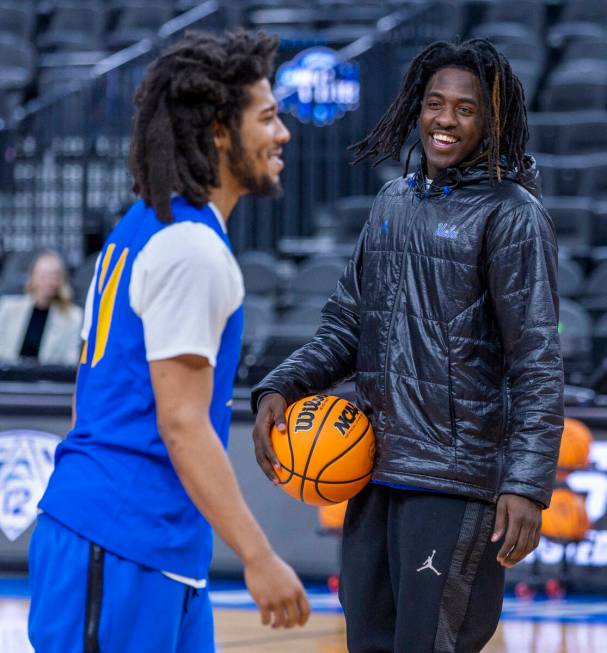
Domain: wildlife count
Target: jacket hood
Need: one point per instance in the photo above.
(458, 176)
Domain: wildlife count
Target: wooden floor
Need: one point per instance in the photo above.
(239, 631)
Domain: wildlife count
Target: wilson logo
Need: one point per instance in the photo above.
(305, 419)
(445, 231)
(346, 419)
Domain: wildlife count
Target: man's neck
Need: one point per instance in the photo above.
(227, 195)
(224, 201)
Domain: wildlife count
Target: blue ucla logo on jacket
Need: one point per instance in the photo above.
(445, 231)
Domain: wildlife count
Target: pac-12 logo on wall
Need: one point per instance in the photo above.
(26, 463)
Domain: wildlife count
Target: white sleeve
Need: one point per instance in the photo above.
(88, 305)
(184, 286)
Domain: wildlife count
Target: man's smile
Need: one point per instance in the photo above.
(442, 140)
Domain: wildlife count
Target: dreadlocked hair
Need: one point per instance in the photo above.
(199, 82)
(505, 115)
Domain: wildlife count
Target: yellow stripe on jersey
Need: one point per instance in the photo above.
(84, 353)
(105, 265)
(106, 305)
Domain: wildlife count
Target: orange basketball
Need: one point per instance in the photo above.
(326, 452)
(566, 518)
(575, 444)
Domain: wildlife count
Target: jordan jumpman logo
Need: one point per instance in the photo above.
(428, 564)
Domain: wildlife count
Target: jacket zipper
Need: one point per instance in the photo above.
(398, 294)
(504, 401)
(451, 405)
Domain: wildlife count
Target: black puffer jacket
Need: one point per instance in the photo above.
(447, 316)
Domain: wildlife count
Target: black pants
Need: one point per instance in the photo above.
(419, 573)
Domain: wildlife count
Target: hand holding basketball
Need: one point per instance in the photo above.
(271, 412)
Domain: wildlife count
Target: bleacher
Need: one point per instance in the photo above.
(64, 179)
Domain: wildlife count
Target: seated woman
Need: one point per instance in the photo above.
(43, 324)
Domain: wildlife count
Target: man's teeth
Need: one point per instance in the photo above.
(443, 138)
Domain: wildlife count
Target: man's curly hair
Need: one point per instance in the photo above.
(199, 82)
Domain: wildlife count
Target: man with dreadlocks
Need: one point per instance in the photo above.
(120, 556)
(447, 317)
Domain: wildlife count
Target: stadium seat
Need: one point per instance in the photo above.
(514, 40)
(599, 224)
(317, 276)
(599, 340)
(260, 273)
(529, 74)
(294, 328)
(544, 131)
(594, 183)
(594, 292)
(570, 279)
(572, 175)
(573, 219)
(15, 271)
(576, 88)
(259, 317)
(575, 329)
(17, 59)
(350, 214)
(575, 132)
(74, 26)
(17, 19)
(583, 132)
(58, 69)
(364, 14)
(560, 36)
(435, 19)
(302, 18)
(137, 20)
(589, 11)
(82, 278)
(590, 47)
(9, 101)
(529, 13)
(579, 18)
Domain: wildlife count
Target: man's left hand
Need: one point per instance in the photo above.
(518, 520)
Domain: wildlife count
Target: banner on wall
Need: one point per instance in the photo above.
(317, 86)
(592, 550)
(26, 463)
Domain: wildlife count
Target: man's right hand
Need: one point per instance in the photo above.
(271, 411)
(277, 591)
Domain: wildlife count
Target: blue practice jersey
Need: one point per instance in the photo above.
(113, 481)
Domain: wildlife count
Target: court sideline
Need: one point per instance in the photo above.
(566, 626)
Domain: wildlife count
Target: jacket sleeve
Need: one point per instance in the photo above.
(522, 278)
(330, 357)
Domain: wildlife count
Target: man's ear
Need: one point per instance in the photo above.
(220, 136)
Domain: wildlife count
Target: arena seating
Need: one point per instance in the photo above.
(557, 47)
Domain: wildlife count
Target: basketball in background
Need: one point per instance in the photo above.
(326, 452)
(575, 445)
(566, 518)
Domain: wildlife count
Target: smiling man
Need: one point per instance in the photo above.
(446, 316)
(120, 556)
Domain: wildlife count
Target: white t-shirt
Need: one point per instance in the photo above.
(185, 284)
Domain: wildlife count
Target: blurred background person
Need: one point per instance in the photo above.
(43, 324)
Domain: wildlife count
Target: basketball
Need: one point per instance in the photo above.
(327, 451)
(566, 518)
(575, 445)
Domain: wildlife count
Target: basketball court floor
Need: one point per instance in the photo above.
(574, 625)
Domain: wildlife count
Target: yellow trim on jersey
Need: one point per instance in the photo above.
(106, 305)
(105, 264)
